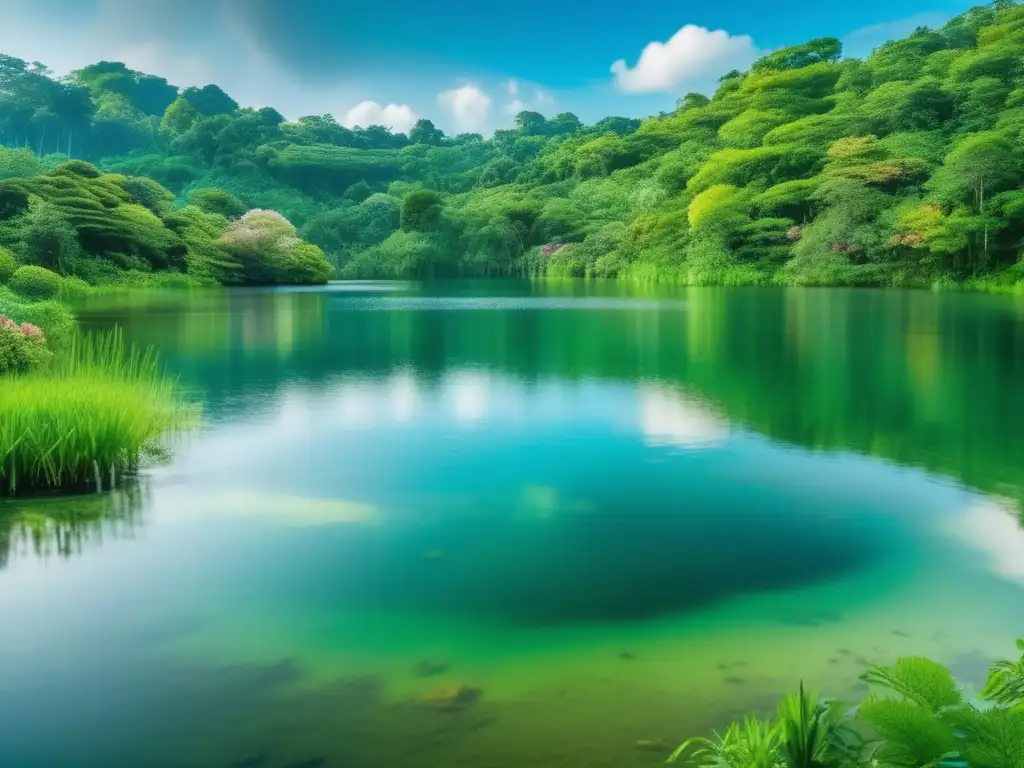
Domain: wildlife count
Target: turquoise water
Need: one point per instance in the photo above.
(604, 515)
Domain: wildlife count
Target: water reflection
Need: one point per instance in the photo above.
(993, 528)
(930, 380)
(65, 526)
(668, 417)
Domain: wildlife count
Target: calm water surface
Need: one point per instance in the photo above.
(612, 515)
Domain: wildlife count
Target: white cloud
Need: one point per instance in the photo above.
(542, 100)
(691, 54)
(398, 117)
(515, 106)
(469, 106)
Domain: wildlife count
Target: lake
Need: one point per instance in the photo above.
(485, 525)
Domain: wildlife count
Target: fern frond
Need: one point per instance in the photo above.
(922, 681)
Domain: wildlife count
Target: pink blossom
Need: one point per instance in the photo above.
(31, 331)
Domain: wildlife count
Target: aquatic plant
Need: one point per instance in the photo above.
(754, 743)
(815, 734)
(89, 417)
(1005, 684)
(919, 719)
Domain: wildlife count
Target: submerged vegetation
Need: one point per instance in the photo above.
(919, 717)
(85, 419)
(902, 169)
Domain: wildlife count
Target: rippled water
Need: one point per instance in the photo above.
(505, 524)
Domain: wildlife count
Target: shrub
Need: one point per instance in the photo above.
(54, 318)
(8, 265)
(218, 201)
(36, 283)
(21, 346)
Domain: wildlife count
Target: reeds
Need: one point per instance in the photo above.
(88, 419)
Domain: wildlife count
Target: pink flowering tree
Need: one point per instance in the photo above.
(271, 252)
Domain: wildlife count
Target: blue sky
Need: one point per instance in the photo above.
(467, 65)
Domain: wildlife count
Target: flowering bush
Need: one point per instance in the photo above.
(270, 252)
(21, 346)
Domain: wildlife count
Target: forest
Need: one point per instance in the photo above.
(903, 169)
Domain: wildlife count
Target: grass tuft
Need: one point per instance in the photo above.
(94, 412)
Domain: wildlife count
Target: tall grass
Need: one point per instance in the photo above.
(86, 420)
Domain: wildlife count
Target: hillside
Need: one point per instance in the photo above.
(902, 169)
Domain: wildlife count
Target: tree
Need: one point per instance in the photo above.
(179, 116)
(692, 101)
(425, 132)
(47, 238)
(823, 49)
(531, 123)
(977, 168)
(209, 100)
(564, 124)
(421, 211)
(149, 94)
(270, 252)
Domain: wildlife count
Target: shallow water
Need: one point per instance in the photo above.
(614, 515)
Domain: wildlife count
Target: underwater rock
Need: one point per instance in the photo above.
(900, 633)
(844, 651)
(649, 745)
(431, 668)
(627, 655)
(433, 554)
(453, 696)
(733, 680)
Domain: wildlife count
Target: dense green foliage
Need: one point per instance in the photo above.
(918, 718)
(35, 283)
(52, 317)
(901, 169)
(21, 346)
(90, 415)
